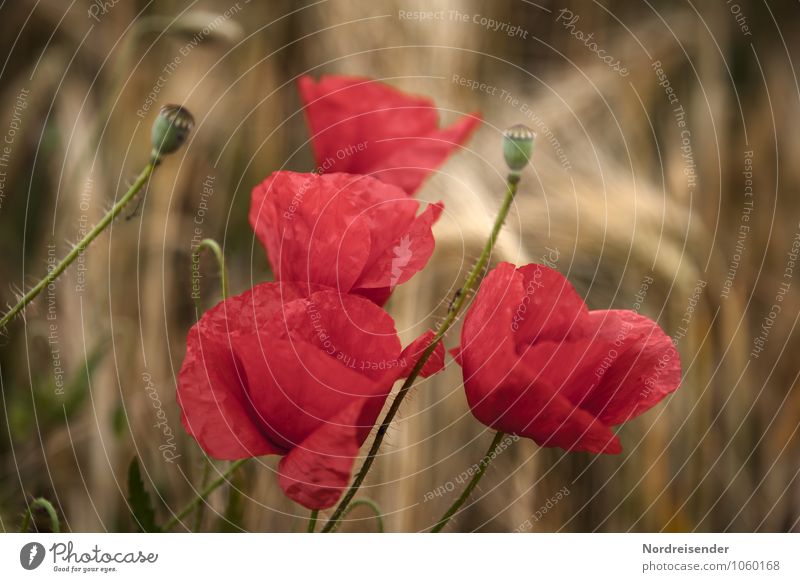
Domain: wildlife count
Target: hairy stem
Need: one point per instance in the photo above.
(452, 314)
(201, 497)
(485, 460)
(198, 518)
(41, 503)
(213, 246)
(81, 245)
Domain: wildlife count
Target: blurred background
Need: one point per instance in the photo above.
(664, 181)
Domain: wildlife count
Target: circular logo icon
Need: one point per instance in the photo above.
(31, 555)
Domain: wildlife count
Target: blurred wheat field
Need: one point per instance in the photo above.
(611, 199)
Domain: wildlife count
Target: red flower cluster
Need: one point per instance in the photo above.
(537, 363)
(302, 367)
(361, 126)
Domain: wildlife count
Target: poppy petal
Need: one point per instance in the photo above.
(549, 307)
(214, 403)
(534, 409)
(538, 363)
(352, 233)
(645, 368)
(414, 350)
(307, 226)
(408, 161)
(316, 472)
(362, 126)
(404, 256)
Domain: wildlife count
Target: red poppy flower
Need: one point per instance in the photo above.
(361, 126)
(539, 364)
(353, 233)
(277, 371)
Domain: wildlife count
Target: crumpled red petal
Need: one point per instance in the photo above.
(215, 407)
(316, 472)
(413, 352)
(403, 256)
(352, 233)
(275, 371)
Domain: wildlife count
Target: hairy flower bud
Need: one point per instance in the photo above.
(170, 129)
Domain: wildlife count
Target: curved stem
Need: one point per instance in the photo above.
(198, 518)
(312, 521)
(81, 245)
(204, 494)
(372, 505)
(213, 246)
(460, 297)
(487, 458)
(42, 503)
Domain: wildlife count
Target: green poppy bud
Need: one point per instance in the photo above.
(518, 146)
(170, 130)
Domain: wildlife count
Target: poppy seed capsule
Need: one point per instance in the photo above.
(518, 146)
(170, 130)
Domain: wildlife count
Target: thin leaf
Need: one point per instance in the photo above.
(139, 500)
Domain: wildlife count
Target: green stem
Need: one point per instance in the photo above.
(81, 245)
(487, 458)
(204, 494)
(372, 505)
(213, 246)
(312, 520)
(42, 503)
(201, 508)
(452, 314)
